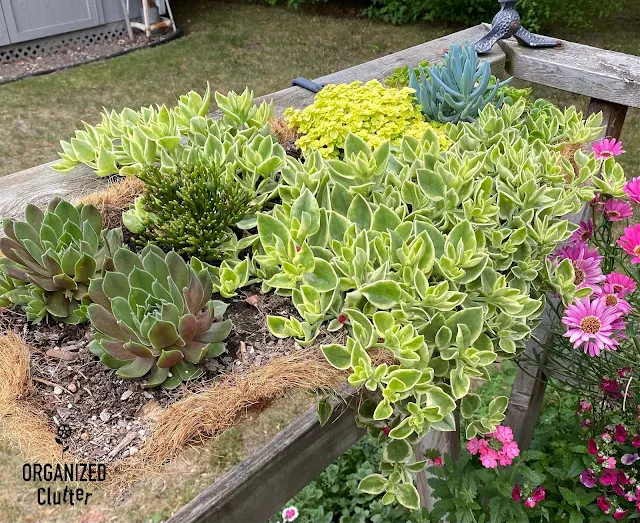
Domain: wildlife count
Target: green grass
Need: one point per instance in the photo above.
(232, 45)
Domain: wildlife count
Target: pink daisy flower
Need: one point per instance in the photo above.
(584, 232)
(622, 284)
(632, 188)
(608, 148)
(630, 242)
(620, 513)
(590, 324)
(617, 210)
(612, 299)
(586, 264)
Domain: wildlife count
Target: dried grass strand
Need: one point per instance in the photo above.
(22, 426)
(114, 199)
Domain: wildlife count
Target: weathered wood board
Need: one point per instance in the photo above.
(597, 73)
(258, 487)
(39, 184)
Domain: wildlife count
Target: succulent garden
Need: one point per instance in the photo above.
(415, 238)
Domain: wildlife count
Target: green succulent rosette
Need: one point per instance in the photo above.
(56, 252)
(155, 317)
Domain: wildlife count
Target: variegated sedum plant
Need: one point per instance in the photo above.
(122, 143)
(437, 257)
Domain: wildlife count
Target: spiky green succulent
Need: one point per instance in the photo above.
(57, 251)
(155, 317)
(458, 89)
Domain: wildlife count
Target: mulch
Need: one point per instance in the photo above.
(110, 417)
(78, 54)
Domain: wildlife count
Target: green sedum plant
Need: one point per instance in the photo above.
(437, 256)
(55, 253)
(371, 111)
(122, 143)
(458, 89)
(190, 210)
(154, 316)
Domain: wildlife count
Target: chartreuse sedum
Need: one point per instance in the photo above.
(54, 254)
(155, 317)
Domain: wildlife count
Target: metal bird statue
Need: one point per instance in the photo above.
(507, 24)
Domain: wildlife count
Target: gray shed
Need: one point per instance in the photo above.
(24, 21)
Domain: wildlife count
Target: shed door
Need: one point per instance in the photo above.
(29, 19)
(4, 36)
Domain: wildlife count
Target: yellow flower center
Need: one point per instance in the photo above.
(617, 287)
(580, 275)
(636, 250)
(611, 300)
(590, 324)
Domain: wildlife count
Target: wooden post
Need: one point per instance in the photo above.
(530, 382)
(446, 443)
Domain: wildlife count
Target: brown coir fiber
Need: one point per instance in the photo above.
(208, 413)
(21, 425)
(281, 130)
(198, 417)
(114, 199)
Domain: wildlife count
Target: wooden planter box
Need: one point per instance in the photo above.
(258, 487)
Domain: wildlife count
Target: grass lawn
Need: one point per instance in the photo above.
(232, 45)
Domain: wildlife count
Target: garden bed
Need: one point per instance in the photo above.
(411, 251)
(110, 418)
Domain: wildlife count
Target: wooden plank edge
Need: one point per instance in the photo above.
(606, 81)
(258, 487)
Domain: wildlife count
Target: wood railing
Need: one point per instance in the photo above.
(255, 489)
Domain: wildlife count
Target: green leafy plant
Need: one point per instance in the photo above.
(400, 76)
(334, 495)
(371, 111)
(535, 13)
(436, 256)
(122, 143)
(57, 252)
(458, 89)
(154, 316)
(190, 210)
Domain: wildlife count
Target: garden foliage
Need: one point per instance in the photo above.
(190, 209)
(432, 247)
(334, 495)
(368, 110)
(155, 317)
(122, 143)
(535, 14)
(437, 256)
(51, 257)
(458, 88)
